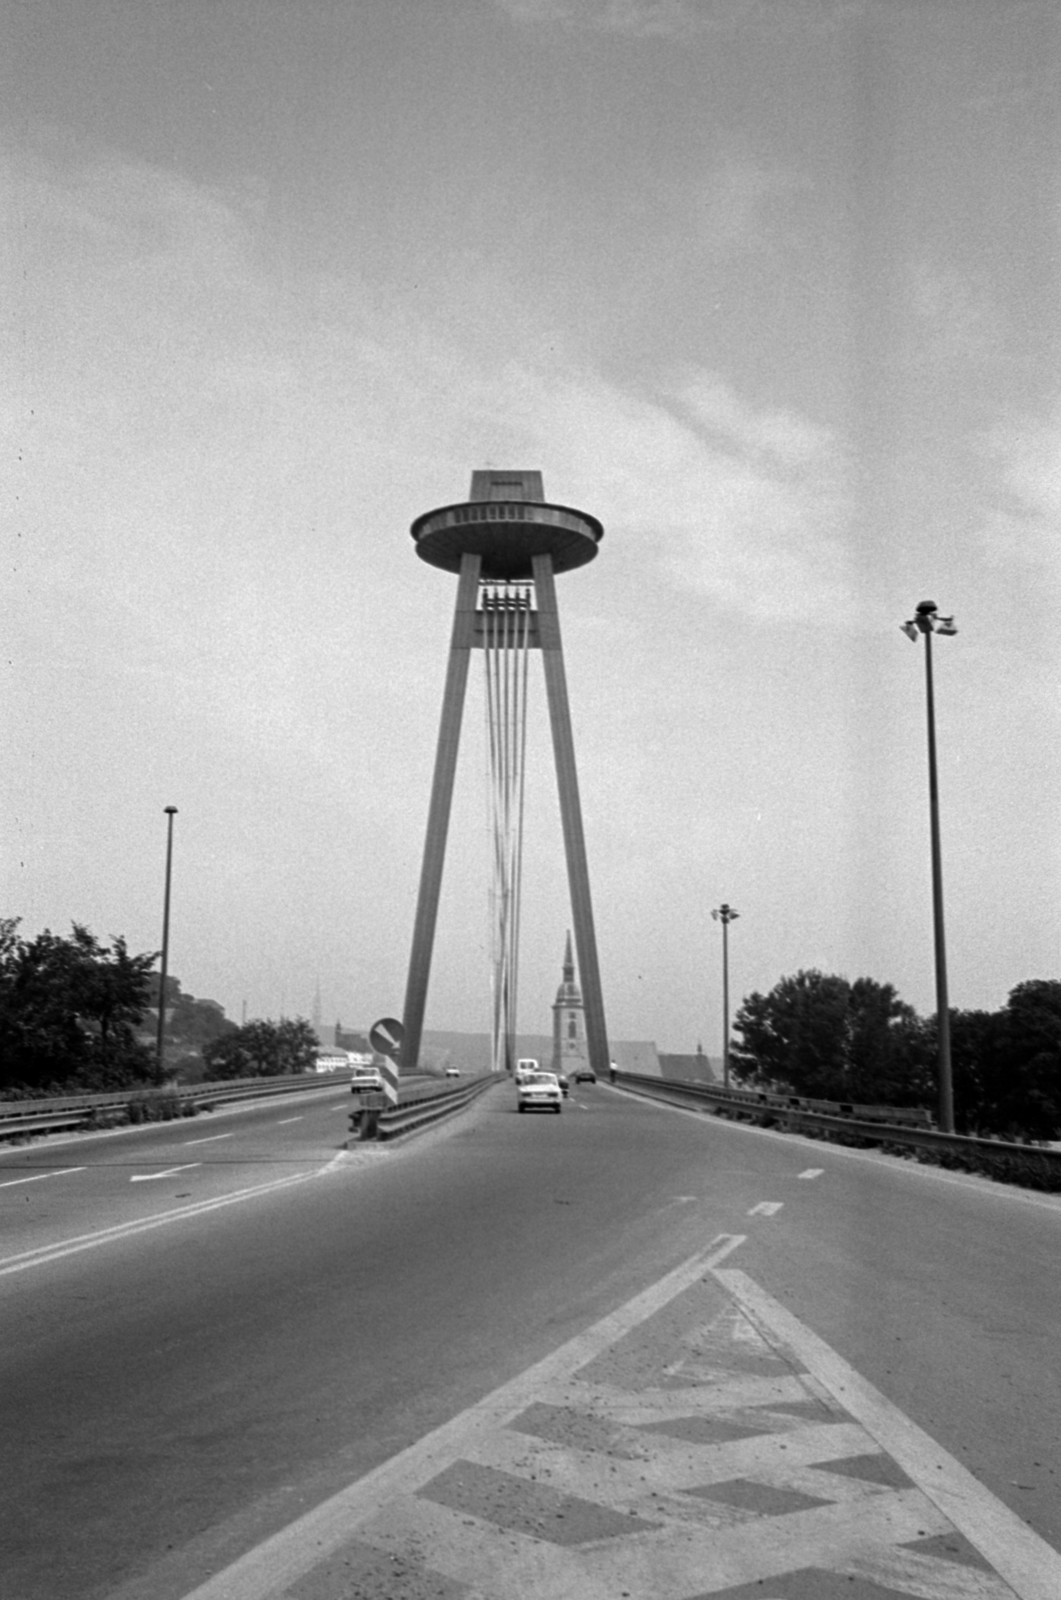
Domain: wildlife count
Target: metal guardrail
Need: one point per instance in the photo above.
(416, 1109)
(893, 1125)
(75, 1111)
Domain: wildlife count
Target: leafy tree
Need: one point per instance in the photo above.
(889, 1062)
(262, 1049)
(818, 1035)
(69, 1010)
(195, 1023)
(173, 990)
(228, 1057)
(1022, 1076)
(974, 1042)
(1006, 1065)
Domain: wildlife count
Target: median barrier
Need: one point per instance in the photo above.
(54, 1115)
(371, 1119)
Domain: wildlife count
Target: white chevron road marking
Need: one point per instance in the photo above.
(699, 1442)
(1026, 1562)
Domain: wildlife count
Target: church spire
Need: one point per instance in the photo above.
(569, 1026)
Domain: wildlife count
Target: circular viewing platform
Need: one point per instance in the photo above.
(507, 534)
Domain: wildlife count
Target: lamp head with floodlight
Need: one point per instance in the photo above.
(926, 619)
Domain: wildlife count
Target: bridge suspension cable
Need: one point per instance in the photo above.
(506, 619)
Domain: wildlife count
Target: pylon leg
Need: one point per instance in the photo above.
(461, 643)
(571, 813)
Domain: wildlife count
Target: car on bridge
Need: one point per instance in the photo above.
(539, 1091)
(585, 1074)
(365, 1078)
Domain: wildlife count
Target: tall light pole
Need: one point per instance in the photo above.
(725, 914)
(927, 621)
(171, 812)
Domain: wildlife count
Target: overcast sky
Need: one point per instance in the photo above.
(772, 289)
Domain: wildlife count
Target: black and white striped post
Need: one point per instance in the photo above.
(385, 1038)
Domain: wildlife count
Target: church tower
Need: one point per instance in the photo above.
(569, 1022)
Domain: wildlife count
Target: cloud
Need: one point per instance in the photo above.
(957, 317)
(746, 505)
(1024, 526)
(736, 203)
(230, 438)
(675, 19)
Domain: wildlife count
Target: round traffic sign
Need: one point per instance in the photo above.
(386, 1036)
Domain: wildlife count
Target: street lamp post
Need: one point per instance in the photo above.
(725, 914)
(927, 621)
(171, 812)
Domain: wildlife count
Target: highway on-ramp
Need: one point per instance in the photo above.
(214, 1330)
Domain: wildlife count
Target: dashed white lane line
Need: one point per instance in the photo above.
(285, 1120)
(986, 1188)
(211, 1139)
(10, 1183)
(1019, 1556)
(766, 1208)
(153, 1177)
(812, 1172)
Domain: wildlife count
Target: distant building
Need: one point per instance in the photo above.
(356, 1043)
(697, 1068)
(569, 1022)
(331, 1061)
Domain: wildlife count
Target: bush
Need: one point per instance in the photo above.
(159, 1105)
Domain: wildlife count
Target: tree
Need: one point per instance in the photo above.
(974, 1042)
(69, 1010)
(262, 1049)
(818, 1035)
(1022, 1080)
(195, 1023)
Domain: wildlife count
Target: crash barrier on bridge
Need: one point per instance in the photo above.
(84, 1111)
(903, 1129)
(417, 1107)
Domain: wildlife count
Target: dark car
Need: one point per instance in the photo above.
(585, 1075)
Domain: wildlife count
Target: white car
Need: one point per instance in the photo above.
(539, 1091)
(453, 1072)
(365, 1078)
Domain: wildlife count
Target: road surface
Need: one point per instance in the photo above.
(212, 1328)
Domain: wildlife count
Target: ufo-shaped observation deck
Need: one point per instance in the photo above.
(507, 534)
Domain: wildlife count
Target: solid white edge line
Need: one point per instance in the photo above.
(123, 1230)
(265, 1572)
(1024, 1560)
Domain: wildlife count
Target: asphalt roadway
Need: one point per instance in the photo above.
(214, 1327)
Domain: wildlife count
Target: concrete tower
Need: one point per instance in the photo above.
(569, 1029)
(505, 534)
